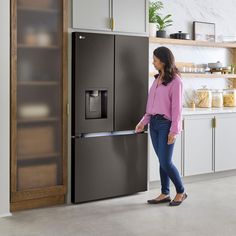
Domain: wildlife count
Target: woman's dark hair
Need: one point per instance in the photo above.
(165, 55)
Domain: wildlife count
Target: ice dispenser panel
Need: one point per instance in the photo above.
(96, 104)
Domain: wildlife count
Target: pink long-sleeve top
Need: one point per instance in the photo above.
(166, 100)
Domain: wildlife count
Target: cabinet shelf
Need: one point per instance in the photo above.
(30, 159)
(39, 10)
(202, 75)
(191, 43)
(38, 120)
(25, 46)
(38, 83)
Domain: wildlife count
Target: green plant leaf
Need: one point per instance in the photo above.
(165, 26)
(169, 21)
(167, 16)
(154, 7)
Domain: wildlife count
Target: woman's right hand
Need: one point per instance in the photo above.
(139, 128)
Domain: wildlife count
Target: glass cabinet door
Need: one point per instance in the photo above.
(39, 94)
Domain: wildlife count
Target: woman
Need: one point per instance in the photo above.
(163, 112)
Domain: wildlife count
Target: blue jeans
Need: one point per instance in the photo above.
(159, 130)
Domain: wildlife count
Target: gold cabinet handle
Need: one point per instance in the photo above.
(214, 122)
(112, 23)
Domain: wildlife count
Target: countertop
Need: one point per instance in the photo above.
(205, 111)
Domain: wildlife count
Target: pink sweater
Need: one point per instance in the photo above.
(166, 100)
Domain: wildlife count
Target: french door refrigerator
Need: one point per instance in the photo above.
(109, 92)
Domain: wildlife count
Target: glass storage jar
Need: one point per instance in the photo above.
(204, 97)
(229, 97)
(217, 98)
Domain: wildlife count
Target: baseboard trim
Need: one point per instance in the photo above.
(5, 215)
(37, 203)
(198, 178)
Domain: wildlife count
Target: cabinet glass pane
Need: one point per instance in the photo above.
(39, 93)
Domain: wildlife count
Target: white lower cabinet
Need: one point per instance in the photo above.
(225, 142)
(198, 145)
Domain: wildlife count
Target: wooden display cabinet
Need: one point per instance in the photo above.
(38, 103)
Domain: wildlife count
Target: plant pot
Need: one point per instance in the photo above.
(152, 29)
(161, 34)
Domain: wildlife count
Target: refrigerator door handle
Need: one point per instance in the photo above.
(102, 134)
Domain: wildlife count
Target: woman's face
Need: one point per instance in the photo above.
(157, 63)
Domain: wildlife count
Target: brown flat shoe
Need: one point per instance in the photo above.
(154, 201)
(177, 203)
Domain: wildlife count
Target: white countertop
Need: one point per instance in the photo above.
(202, 111)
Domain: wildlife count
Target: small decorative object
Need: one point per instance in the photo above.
(30, 37)
(154, 7)
(229, 97)
(204, 31)
(217, 98)
(162, 24)
(204, 97)
(226, 39)
(43, 37)
(192, 104)
(215, 65)
(31, 111)
(232, 68)
(226, 70)
(180, 35)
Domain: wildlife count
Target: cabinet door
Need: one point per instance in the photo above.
(130, 16)
(91, 14)
(198, 145)
(38, 102)
(225, 136)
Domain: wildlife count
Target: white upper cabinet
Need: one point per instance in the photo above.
(91, 14)
(130, 16)
(118, 16)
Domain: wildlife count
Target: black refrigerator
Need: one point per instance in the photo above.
(109, 93)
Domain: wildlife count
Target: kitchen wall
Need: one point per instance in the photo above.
(184, 12)
(4, 106)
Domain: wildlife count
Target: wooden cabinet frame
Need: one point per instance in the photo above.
(50, 195)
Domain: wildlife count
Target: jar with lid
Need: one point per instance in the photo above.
(229, 97)
(204, 97)
(217, 98)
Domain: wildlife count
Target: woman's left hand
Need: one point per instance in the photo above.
(171, 138)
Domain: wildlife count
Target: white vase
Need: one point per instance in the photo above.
(152, 29)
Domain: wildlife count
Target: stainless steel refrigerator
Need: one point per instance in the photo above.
(109, 93)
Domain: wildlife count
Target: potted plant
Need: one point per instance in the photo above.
(162, 24)
(154, 7)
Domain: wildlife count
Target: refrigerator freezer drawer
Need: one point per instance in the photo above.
(110, 166)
